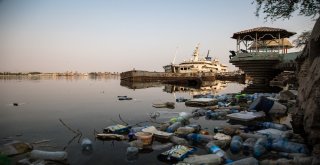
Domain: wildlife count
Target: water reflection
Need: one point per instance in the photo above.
(140, 85)
(212, 87)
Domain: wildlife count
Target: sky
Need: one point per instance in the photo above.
(119, 35)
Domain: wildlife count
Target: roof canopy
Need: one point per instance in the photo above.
(262, 33)
(272, 44)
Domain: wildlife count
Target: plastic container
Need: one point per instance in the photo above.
(211, 159)
(86, 145)
(200, 138)
(48, 155)
(245, 161)
(173, 127)
(281, 127)
(236, 144)
(145, 137)
(132, 153)
(284, 145)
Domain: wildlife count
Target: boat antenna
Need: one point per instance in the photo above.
(175, 55)
(208, 53)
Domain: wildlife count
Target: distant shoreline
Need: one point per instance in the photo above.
(57, 74)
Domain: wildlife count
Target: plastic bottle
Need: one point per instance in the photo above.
(281, 127)
(200, 138)
(214, 149)
(196, 127)
(287, 146)
(291, 155)
(215, 115)
(248, 145)
(48, 155)
(236, 144)
(86, 145)
(184, 130)
(132, 153)
(250, 135)
(260, 147)
(179, 141)
(212, 159)
(245, 161)
(164, 126)
(173, 127)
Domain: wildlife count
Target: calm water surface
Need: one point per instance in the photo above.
(87, 104)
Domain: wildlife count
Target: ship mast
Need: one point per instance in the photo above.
(196, 53)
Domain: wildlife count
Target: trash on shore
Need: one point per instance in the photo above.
(124, 98)
(201, 102)
(15, 148)
(170, 105)
(179, 137)
(48, 155)
(181, 99)
(109, 136)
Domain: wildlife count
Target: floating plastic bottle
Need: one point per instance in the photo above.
(287, 146)
(236, 144)
(281, 127)
(216, 115)
(245, 161)
(214, 149)
(248, 145)
(196, 127)
(260, 147)
(212, 159)
(132, 153)
(251, 135)
(291, 155)
(48, 155)
(184, 130)
(86, 145)
(173, 127)
(179, 141)
(200, 138)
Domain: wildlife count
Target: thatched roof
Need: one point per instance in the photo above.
(272, 44)
(262, 33)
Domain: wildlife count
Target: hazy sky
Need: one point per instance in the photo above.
(119, 35)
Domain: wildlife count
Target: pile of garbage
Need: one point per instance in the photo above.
(250, 137)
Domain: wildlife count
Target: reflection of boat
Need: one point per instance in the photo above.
(196, 65)
(206, 87)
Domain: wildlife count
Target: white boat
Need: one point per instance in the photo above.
(197, 65)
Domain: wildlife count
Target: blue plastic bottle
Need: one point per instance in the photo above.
(248, 145)
(214, 149)
(173, 127)
(200, 138)
(281, 127)
(236, 144)
(284, 145)
(260, 147)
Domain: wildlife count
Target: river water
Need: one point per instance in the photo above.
(87, 104)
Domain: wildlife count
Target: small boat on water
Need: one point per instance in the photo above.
(197, 65)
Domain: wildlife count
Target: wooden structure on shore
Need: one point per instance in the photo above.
(265, 54)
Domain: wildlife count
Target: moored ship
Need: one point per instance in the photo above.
(197, 65)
